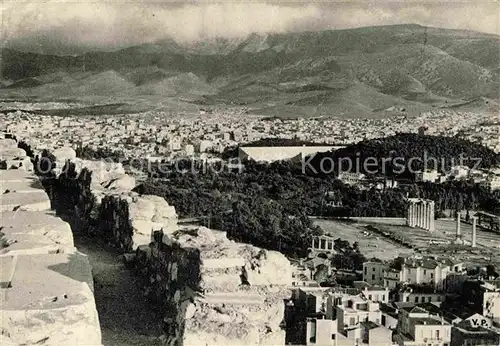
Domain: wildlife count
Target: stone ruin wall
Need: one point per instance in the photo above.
(46, 285)
(129, 220)
(213, 291)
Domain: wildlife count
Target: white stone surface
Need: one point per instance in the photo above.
(35, 233)
(233, 336)
(102, 171)
(11, 153)
(151, 208)
(8, 143)
(17, 175)
(269, 268)
(27, 185)
(125, 182)
(33, 201)
(64, 153)
(50, 300)
(220, 263)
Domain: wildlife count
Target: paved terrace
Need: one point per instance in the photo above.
(46, 286)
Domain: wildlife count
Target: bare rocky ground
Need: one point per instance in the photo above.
(126, 317)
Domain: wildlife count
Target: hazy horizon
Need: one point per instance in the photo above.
(53, 26)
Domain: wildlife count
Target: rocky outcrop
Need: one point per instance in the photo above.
(215, 291)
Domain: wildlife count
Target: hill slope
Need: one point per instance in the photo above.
(355, 72)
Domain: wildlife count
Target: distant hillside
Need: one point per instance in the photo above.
(355, 72)
(405, 153)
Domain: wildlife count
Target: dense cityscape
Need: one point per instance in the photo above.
(403, 277)
(161, 137)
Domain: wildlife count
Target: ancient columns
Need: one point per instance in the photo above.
(322, 243)
(474, 226)
(421, 214)
(458, 225)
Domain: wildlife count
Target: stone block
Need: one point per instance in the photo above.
(33, 201)
(63, 154)
(49, 300)
(35, 233)
(12, 153)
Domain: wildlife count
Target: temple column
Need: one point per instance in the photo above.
(458, 225)
(419, 220)
(409, 215)
(474, 230)
(422, 212)
(415, 205)
(414, 214)
(408, 211)
(427, 215)
(431, 217)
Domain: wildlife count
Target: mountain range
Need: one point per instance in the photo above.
(363, 72)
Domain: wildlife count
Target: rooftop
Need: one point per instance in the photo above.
(369, 325)
(428, 321)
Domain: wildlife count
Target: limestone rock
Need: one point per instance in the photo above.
(50, 300)
(6, 341)
(190, 311)
(102, 171)
(224, 334)
(151, 208)
(16, 175)
(273, 338)
(125, 182)
(132, 219)
(268, 268)
(64, 153)
(27, 165)
(8, 143)
(12, 153)
(34, 201)
(35, 233)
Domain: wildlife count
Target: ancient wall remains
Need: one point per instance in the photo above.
(212, 290)
(215, 291)
(46, 286)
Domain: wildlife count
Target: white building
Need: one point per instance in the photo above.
(189, 149)
(459, 172)
(374, 272)
(422, 271)
(430, 175)
(351, 178)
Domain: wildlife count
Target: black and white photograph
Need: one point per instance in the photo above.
(262, 173)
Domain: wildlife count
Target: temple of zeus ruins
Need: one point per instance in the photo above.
(421, 213)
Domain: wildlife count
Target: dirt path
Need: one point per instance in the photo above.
(126, 317)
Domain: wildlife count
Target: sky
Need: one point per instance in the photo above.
(41, 25)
